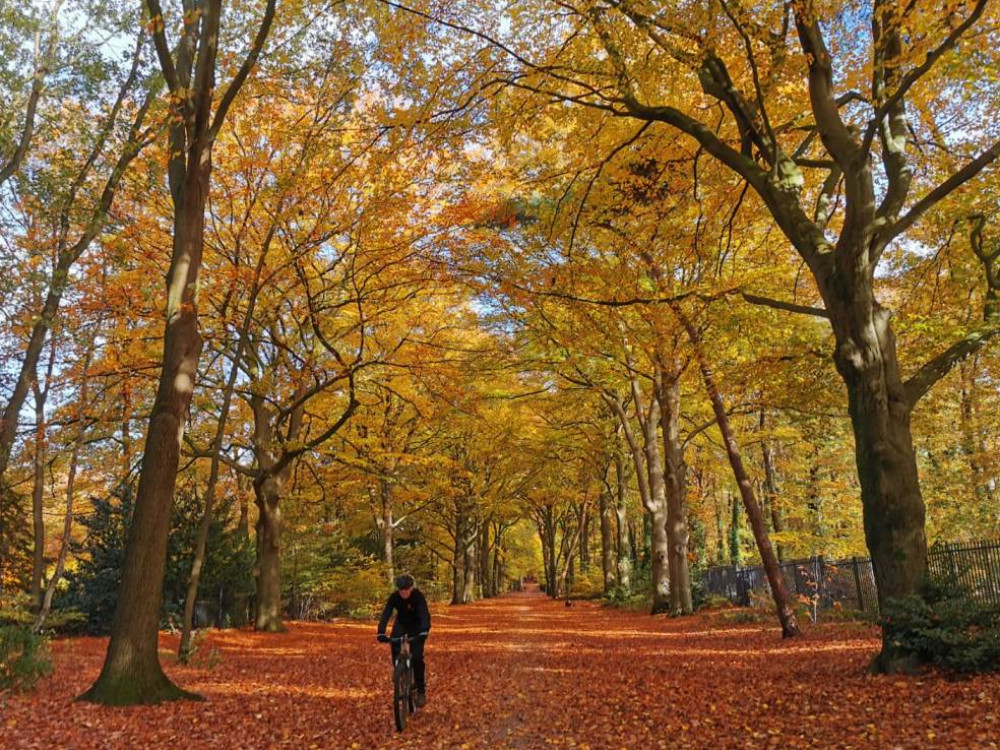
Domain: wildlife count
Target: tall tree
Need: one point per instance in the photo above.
(132, 672)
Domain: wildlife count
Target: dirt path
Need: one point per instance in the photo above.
(523, 672)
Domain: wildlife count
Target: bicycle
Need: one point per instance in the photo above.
(404, 697)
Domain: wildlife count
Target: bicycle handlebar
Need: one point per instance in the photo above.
(406, 636)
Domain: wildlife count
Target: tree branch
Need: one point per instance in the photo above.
(240, 78)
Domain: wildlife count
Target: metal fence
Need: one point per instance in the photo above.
(851, 583)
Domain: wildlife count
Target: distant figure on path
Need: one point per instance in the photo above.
(412, 618)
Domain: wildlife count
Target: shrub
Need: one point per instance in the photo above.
(356, 590)
(714, 601)
(942, 625)
(24, 658)
(92, 587)
(588, 584)
(15, 609)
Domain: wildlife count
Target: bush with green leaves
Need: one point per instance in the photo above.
(93, 586)
(15, 541)
(24, 658)
(943, 625)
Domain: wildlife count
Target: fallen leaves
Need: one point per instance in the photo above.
(523, 672)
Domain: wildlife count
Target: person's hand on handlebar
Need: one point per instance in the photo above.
(382, 638)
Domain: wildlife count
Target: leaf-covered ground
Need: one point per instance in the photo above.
(522, 672)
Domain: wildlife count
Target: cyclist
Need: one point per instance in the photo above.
(412, 618)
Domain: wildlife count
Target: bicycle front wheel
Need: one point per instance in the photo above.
(401, 698)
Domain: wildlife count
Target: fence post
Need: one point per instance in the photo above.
(857, 583)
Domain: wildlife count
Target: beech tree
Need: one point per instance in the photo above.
(132, 672)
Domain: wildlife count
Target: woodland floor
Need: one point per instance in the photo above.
(522, 672)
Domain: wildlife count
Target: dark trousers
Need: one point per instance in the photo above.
(416, 657)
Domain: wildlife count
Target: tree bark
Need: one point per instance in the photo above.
(458, 557)
(469, 561)
(675, 470)
(132, 672)
(894, 514)
(268, 616)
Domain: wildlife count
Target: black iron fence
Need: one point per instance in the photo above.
(850, 583)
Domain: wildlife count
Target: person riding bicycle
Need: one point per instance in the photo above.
(412, 618)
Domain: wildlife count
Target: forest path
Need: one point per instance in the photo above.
(518, 672)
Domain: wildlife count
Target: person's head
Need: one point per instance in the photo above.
(404, 584)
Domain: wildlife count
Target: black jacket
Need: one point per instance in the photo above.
(412, 615)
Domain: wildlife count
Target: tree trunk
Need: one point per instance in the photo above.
(485, 569)
(458, 558)
(74, 458)
(659, 550)
(469, 560)
(498, 573)
(659, 542)
(268, 615)
(624, 563)
(37, 498)
(387, 528)
(735, 553)
(675, 470)
(585, 546)
(786, 615)
(649, 476)
(608, 552)
(132, 672)
(771, 486)
(549, 549)
(879, 406)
